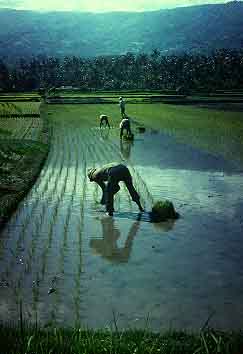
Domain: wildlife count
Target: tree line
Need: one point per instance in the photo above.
(222, 69)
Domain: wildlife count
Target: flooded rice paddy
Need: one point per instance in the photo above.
(69, 264)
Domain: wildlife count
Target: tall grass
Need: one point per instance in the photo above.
(28, 340)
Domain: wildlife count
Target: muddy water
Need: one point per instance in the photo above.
(67, 263)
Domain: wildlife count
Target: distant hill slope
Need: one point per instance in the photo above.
(206, 27)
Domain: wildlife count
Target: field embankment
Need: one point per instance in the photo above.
(76, 341)
(23, 148)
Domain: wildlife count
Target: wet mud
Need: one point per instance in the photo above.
(69, 264)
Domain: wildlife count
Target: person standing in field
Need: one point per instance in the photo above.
(122, 105)
(113, 173)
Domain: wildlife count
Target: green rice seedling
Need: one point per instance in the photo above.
(47, 247)
(163, 210)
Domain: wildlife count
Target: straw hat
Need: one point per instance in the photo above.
(90, 173)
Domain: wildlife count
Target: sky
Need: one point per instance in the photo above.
(101, 5)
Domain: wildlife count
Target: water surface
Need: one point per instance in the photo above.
(70, 264)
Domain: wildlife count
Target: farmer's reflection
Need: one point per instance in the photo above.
(104, 133)
(108, 248)
(125, 146)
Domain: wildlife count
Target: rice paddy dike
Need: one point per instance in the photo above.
(69, 265)
(23, 149)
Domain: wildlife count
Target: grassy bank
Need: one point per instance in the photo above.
(24, 146)
(74, 341)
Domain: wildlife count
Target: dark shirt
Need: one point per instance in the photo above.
(118, 171)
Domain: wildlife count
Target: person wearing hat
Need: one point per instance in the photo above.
(104, 120)
(122, 106)
(125, 125)
(113, 173)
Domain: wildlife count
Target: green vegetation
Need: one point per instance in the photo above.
(182, 74)
(73, 341)
(214, 131)
(23, 148)
(163, 210)
(217, 132)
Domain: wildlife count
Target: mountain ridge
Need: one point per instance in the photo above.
(201, 28)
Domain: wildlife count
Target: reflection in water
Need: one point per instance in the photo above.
(107, 246)
(164, 226)
(104, 133)
(125, 146)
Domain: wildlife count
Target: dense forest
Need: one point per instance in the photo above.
(223, 69)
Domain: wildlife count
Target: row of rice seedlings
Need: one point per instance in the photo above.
(80, 230)
(56, 209)
(65, 171)
(93, 154)
(47, 176)
(9, 108)
(12, 125)
(88, 148)
(30, 108)
(75, 148)
(37, 231)
(28, 213)
(63, 250)
(25, 132)
(34, 131)
(48, 240)
(49, 191)
(55, 170)
(18, 126)
(7, 125)
(52, 159)
(35, 297)
(59, 199)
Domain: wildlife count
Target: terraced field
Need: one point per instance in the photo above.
(20, 120)
(67, 263)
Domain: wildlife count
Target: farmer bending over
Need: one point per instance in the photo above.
(104, 120)
(125, 124)
(113, 174)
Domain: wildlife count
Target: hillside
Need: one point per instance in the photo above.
(204, 28)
